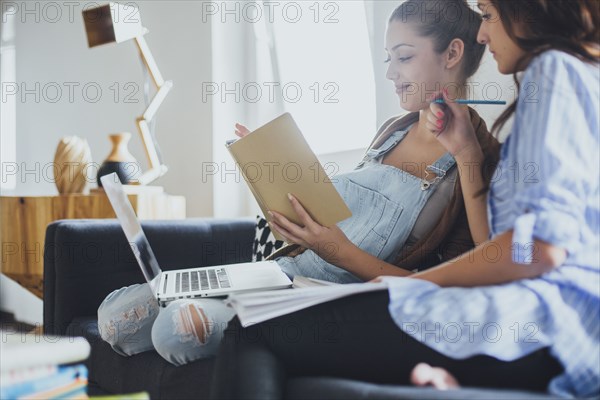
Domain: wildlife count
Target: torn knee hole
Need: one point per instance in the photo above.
(194, 322)
(108, 330)
(128, 320)
(136, 313)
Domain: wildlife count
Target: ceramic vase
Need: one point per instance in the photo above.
(120, 160)
(71, 161)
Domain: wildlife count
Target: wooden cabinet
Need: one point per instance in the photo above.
(23, 222)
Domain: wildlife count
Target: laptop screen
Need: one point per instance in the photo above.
(132, 228)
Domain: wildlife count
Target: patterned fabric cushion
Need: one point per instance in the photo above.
(264, 242)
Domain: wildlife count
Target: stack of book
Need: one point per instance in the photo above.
(42, 367)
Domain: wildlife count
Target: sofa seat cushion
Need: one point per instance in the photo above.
(308, 388)
(111, 373)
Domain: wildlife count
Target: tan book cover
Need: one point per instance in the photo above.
(275, 160)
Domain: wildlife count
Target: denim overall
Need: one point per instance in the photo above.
(385, 202)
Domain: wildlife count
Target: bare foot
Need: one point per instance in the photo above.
(424, 375)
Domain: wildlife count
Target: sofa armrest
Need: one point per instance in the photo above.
(84, 260)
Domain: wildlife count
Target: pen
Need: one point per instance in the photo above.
(466, 101)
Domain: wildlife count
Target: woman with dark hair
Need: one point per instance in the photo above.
(412, 196)
(520, 310)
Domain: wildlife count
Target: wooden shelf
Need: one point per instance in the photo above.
(24, 221)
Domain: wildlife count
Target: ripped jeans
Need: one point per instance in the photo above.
(132, 322)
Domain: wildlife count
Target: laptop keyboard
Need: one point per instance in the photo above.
(213, 278)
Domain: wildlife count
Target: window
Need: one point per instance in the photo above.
(321, 59)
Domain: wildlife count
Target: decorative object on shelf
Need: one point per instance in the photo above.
(105, 24)
(71, 160)
(120, 160)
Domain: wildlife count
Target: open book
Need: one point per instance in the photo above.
(256, 307)
(275, 160)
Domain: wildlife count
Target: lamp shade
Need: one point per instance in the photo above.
(112, 23)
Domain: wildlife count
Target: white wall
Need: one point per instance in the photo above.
(232, 59)
(7, 105)
(52, 51)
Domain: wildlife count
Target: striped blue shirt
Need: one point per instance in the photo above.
(546, 187)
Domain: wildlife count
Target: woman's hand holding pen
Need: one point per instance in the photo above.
(329, 243)
(451, 124)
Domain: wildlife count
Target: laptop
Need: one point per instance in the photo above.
(192, 282)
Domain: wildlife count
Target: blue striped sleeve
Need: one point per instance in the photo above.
(553, 138)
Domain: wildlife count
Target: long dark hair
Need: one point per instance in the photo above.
(571, 26)
(444, 21)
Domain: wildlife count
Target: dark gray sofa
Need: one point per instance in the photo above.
(84, 260)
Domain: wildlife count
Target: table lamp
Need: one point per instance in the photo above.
(116, 23)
